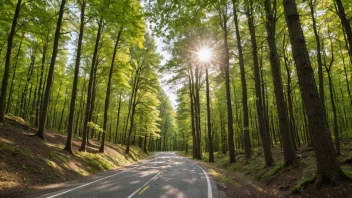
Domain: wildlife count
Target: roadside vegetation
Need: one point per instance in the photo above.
(250, 178)
(28, 163)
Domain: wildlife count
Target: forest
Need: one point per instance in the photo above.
(247, 75)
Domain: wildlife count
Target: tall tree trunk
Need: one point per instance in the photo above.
(287, 140)
(259, 102)
(210, 138)
(39, 95)
(45, 106)
(90, 87)
(71, 116)
(246, 138)
(197, 112)
(328, 166)
(332, 98)
(192, 114)
(320, 64)
(226, 67)
(108, 89)
(5, 77)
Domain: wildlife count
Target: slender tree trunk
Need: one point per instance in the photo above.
(108, 89)
(226, 67)
(71, 116)
(165, 132)
(246, 138)
(328, 166)
(332, 98)
(320, 64)
(39, 96)
(55, 107)
(289, 96)
(345, 23)
(63, 110)
(45, 106)
(346, 76)
(210, 138)
(259, 102)
(287, 139)
(8, 107)
(133, 108)
(197, 112)
(23, 106)
(5, 77)
(118, 117)
(79, 120)
(90, 87)
(192, 115)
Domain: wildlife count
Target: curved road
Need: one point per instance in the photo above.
(165, 175)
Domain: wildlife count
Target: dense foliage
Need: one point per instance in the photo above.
(279, 73)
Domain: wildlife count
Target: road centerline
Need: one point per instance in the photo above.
(151, 180)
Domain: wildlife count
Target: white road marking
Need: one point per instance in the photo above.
(210, 192)
(152, 179)
(98, 180)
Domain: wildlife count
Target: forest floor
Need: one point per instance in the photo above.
(249, 178)
(28, 163)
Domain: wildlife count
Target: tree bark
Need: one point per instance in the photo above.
(328, 165)
(287, 140)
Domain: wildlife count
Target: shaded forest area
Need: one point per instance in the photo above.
(276, 80)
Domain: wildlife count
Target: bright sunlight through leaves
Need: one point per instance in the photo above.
(204, 54)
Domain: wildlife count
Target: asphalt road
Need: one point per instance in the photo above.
(165, 175)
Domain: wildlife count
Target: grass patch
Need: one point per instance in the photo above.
(95, 162)
(272, 171)
(15, 149)
(302, 184)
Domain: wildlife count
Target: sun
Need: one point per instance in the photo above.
(204, 54)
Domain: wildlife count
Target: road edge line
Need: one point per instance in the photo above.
(210, 191)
